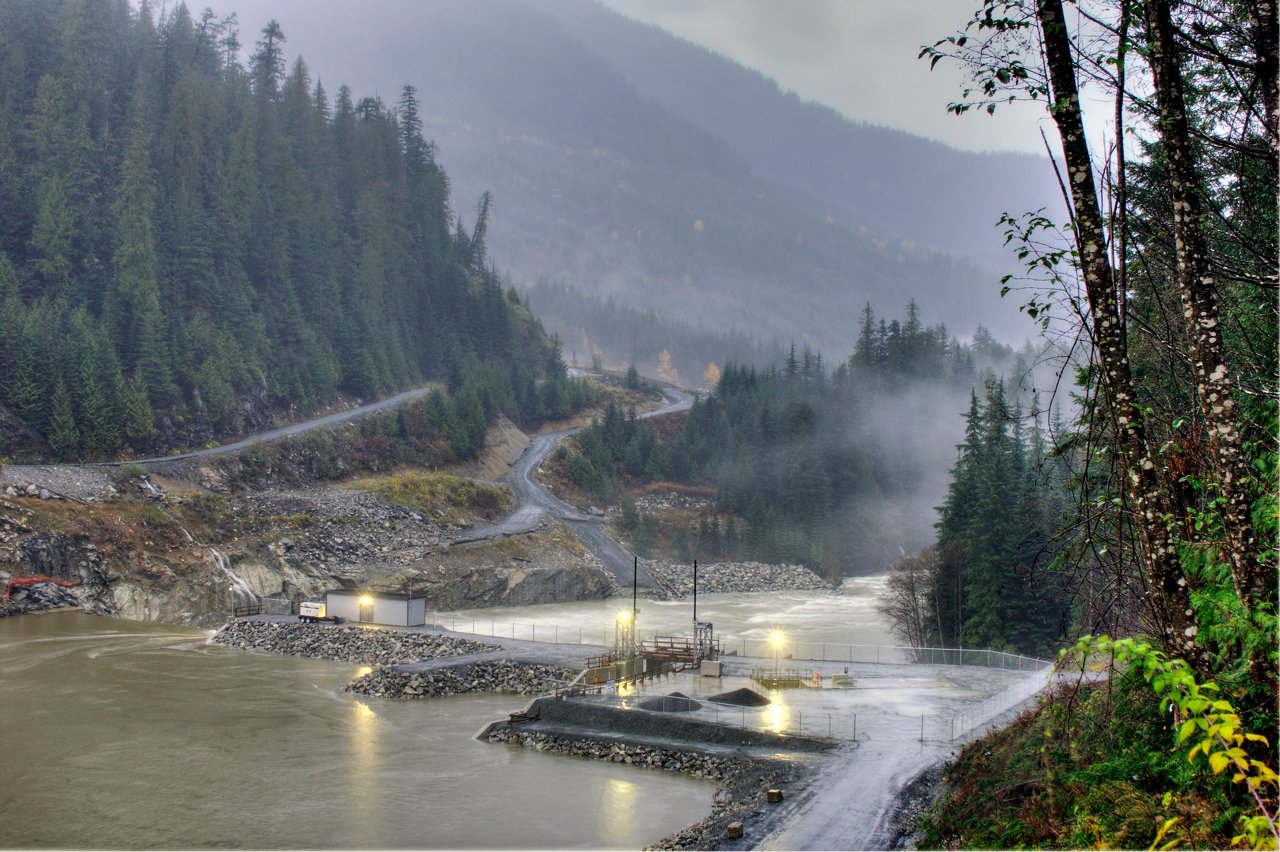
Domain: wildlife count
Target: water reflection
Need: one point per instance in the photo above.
(137, 736)
(777, 716)
(364, 758)
(615, 808)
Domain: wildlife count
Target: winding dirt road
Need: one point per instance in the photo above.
(535, 503)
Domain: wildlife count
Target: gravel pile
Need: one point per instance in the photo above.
(343, 643)
(676, 702)
(676, 581)
(743, 697)
(489, 676)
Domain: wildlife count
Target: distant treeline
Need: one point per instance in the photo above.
(190, 246)
(613, 334)
(803, 459)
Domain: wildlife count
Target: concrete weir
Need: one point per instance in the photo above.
(585, 717)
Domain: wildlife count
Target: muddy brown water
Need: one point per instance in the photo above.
(121, 734)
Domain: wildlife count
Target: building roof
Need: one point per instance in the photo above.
(394, 596)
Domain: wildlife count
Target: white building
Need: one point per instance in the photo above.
(394, 608)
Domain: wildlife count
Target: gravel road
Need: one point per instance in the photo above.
(534, 502)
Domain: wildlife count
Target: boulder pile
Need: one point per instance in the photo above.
(488, 676)
(676, 581)
(344, 643)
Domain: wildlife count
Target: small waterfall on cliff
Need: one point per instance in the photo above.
(241, 589)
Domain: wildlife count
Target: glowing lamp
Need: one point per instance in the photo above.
(365, 600)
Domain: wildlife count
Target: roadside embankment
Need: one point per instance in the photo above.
(676, 581)
(344, 643)
(509, 676)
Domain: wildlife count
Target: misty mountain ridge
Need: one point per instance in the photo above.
(672, 197)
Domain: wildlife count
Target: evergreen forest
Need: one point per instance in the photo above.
(809, 464)
(193, 245)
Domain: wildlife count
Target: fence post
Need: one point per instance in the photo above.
(921, 727)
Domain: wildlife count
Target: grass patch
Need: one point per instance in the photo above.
(441, 496)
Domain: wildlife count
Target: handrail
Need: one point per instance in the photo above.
(795, 650)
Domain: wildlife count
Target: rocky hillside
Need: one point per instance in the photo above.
(187, 546)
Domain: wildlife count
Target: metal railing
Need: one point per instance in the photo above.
(265, 606)
(791, 650)
(952, 726)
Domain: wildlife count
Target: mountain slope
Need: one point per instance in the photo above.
(600, 183)
(192, 246)
(906, 185)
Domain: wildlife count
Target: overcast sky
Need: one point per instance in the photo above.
(856, 56)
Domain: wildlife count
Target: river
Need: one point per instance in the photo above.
(807, 622)
(122, 734)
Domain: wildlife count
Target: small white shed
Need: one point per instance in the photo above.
(394, 608)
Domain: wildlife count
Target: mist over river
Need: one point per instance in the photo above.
(122, 734)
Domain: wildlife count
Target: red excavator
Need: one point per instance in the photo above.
(26, 582)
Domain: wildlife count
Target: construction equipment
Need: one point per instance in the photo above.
(28, 582)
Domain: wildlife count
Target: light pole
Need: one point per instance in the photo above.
(775, 639)
(624, 635)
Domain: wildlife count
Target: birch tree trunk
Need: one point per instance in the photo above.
(1167, 586)
(1214, 384)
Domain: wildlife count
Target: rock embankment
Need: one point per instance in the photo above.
(488, 676)
(676, 581)
(743, 782)
(343, 643)
(697, 764)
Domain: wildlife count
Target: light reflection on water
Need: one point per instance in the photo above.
(848, 616)
(778, 714)
(131, 736)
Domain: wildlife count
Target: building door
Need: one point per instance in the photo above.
(366, 611)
